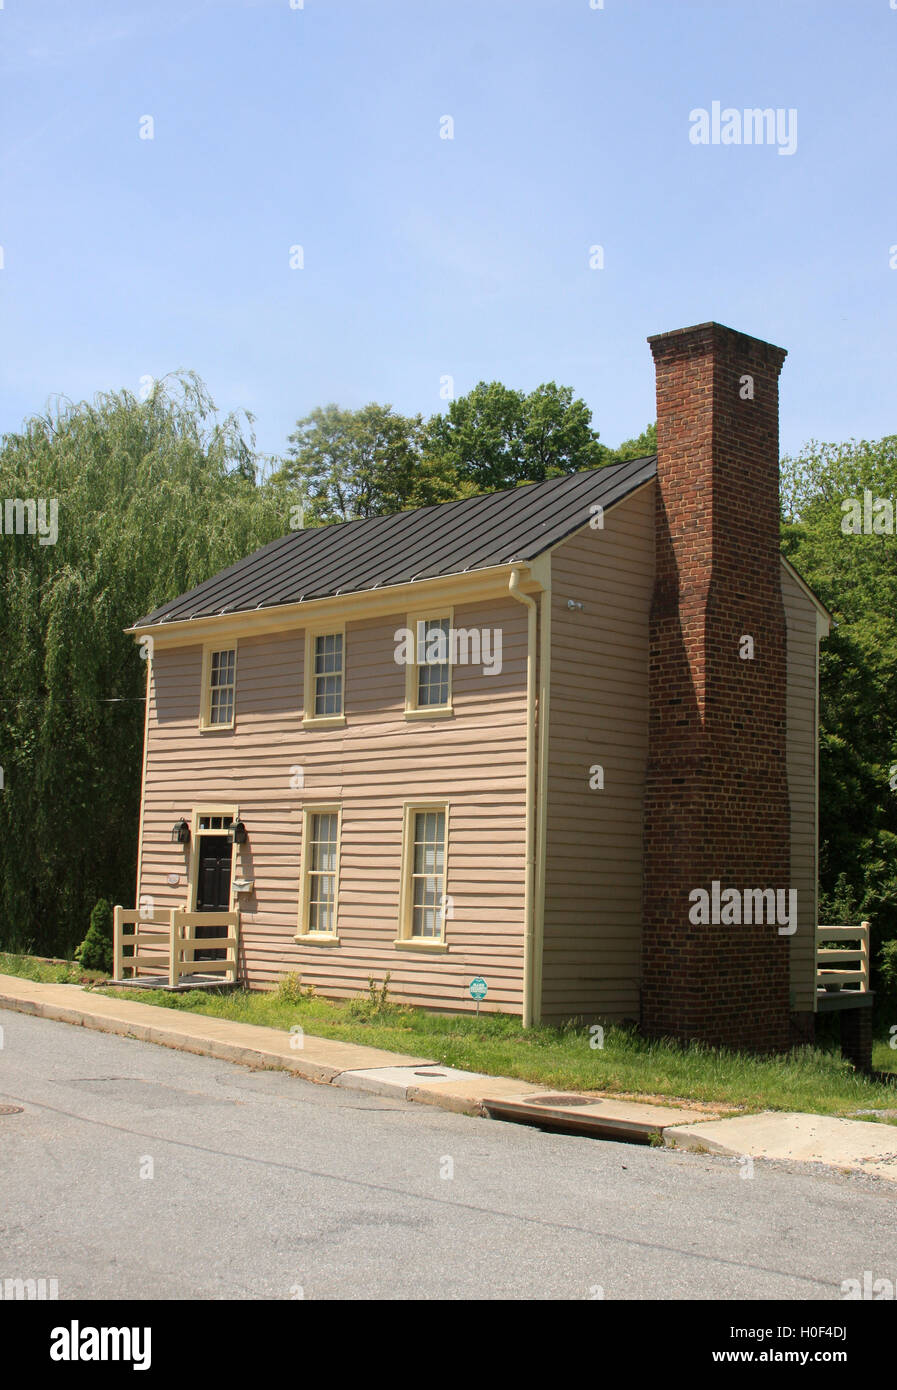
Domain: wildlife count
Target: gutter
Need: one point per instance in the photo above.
(463, 585)
(529, 934)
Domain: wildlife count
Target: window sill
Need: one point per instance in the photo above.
(325, 721)
(317, 938)
(215, 728)
(410, 943)
(434, 712)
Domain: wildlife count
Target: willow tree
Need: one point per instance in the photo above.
(151, 497)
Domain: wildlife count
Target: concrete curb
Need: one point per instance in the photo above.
(839, 1143)
(202, 1043)
(181, 1042)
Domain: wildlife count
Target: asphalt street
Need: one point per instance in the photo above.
(136, 1172)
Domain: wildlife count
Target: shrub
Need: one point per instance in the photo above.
(95, 951)
(377, 1007)
(291, 990)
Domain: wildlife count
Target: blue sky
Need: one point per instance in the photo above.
(427, 258)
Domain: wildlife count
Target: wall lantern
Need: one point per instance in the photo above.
(237, 833)
(180, 833)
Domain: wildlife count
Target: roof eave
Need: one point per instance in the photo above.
(462, 585)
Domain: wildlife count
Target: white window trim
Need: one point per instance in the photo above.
(412, 709)
(205, 704)
(318, 938)
(404, 940)
(309, 718)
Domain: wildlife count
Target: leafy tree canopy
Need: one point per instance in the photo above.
(352, 464)
(495, 437)
(152, 497)
(856, 578)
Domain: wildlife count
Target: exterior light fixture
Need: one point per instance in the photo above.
(180, 833)
(237, 833)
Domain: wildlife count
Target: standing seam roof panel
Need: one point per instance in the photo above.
(428, 542)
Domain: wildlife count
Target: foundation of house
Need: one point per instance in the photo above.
(855, 1011)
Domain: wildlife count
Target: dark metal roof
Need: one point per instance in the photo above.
(451, 538)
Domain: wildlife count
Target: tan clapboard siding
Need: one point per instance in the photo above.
(800, 616)
(599, 714)
(475, 761)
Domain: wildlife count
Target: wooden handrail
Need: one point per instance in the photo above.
(828, 977)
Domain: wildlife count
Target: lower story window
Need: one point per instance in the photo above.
(425, 860)
(321, 869)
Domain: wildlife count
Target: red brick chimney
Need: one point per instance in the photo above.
(716, 799)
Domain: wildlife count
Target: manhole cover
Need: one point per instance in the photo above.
(12, 1110)
(560, 1100)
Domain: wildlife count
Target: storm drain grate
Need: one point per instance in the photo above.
(561, 1100)
(12, 1110)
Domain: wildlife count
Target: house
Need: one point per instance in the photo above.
(562, 737)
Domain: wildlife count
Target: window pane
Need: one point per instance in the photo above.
(432, 685)
(320, 917)
(328, 653)
(223, 668)
(222, 706)
(328, 694)
(433, 640)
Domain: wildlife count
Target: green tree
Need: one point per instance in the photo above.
(856, 577)
(495, 437)
(152, 498)
(643, 446)
(352, 464)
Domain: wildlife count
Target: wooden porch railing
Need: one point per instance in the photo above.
(839, 967)
(165, 943)
(149, 937)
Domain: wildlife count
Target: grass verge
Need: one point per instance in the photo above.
(807, 1079)
(46, 971)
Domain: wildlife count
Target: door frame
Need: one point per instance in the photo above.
(195, 835)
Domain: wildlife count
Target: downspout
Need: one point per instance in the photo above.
(529, 936)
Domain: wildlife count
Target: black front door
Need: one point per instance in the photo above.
(213, 885)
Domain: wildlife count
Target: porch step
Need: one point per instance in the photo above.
(209, 982)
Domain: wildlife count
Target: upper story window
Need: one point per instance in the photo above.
(218, 687)
(324, 678)
(428, 684)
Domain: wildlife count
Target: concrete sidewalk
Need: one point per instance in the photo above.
(857, 1145)
(843, 1144)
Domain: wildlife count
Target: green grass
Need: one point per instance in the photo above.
(817, 1079)
(47, 972)
(808, 1079)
